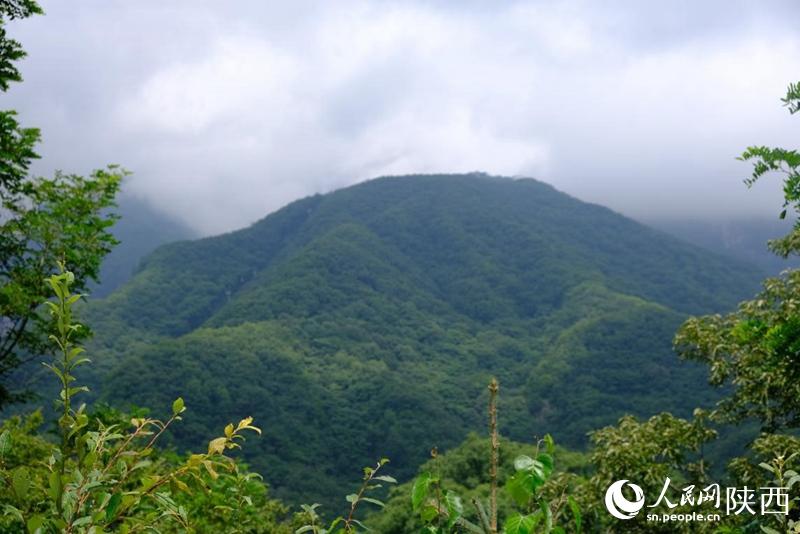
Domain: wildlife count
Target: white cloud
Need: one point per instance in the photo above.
(226, 114)
(236, 77)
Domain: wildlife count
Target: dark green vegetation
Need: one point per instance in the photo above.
(103, 472)
(464, 470)
(366, 322)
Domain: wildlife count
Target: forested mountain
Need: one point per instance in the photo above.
(367, 322)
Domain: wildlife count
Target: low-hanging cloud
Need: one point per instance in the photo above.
(228, 111)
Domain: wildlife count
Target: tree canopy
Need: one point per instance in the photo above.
(42, 221)
(756, 349)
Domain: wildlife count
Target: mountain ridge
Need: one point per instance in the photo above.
(367, 321)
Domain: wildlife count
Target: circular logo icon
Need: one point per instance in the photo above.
(618, 505)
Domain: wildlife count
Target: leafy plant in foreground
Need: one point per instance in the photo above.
(102, 477)
(784, 476)
(42, 221)
(442, 511)
(349, 524)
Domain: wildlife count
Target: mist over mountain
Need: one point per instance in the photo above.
(139, 230)
(366, 322)
(742, 238)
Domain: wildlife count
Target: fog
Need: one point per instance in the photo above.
(226, 111)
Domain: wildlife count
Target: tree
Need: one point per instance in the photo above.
(105, 474)
(42, 221)
(756, 349)
(786, 162)
(16, 142)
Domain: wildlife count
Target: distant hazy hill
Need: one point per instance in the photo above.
(140, 230)
(367, 322)
(745, 239)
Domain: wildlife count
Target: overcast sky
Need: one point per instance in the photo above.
(226, 111)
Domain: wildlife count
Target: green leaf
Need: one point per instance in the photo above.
(519, 488)
(113, 506)
(767, 467)
(546, 463)
(548, 516)
(519, 524)
(576, 513)
(419, 490)
(76, 390)
(523, 463)
(13, 511)
(177, 406)
(21, 483)
(74, 352)
(85, 520)
(360, 524)
(549, 443)
(428, 513)
(455, 509)
(35, 523)
(5, 443)
(376, 502)
(81, 361)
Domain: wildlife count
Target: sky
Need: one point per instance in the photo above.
(226, 111)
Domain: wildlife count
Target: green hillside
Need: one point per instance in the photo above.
(367, 321)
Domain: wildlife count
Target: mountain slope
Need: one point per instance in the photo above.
(367, 322)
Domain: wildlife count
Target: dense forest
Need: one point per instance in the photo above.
(500, 356)
(393, 302)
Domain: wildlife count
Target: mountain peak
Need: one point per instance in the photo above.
(392, 301)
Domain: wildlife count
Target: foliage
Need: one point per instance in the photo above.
(774, 460)
(787, 162)
(755, 348)
(646, 453)
(464, 471)
(16, 143)
(792, 98)
(236, 501)
(535, 499)
(754, 351)
(44, 220)
(350, 524)
(103, 476)
(441, 510)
